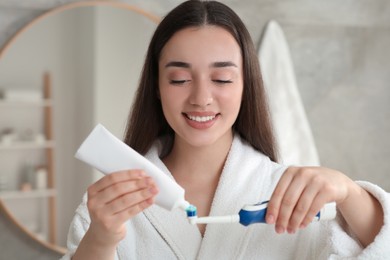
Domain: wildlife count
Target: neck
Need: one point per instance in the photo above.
(198, 170)
(187, 162)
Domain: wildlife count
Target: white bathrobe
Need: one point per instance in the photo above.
(247, 178)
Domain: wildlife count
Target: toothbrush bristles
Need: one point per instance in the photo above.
(191, 211)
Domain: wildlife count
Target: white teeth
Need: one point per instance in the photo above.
(201, 119)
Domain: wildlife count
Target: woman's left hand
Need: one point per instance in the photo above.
(301, 193)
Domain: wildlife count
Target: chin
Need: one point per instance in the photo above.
(205, 140)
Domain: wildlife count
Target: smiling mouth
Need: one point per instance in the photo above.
(200, 119)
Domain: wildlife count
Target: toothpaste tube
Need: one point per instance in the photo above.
(105, 152)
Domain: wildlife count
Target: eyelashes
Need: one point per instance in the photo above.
(181, 82)
(178, 82)
(222, 81)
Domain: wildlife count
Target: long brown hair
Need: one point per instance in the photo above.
(147, 122)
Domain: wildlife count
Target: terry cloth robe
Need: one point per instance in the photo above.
(248, 177)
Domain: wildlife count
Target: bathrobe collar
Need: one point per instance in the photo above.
(187, 243)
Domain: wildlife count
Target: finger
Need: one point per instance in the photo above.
(317, 204)
(121, 188)
(302, 207)
(111, 221)
(115, 177)
(130, 200)
(318, 189)
(277, 196)
(289, 202)
(130, 212)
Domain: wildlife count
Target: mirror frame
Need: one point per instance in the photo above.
(8, 214)
(3, 208)
(72, 6)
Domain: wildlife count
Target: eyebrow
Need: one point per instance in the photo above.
(179, 64)
(222, 64)
(218, 64)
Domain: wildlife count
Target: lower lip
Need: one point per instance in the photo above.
(201, 125)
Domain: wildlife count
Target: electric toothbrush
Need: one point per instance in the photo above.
(251, 214)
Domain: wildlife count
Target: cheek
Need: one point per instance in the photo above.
(165, 100)
(232, 99)
(235, 105)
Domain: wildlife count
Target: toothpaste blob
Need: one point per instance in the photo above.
(105, 152)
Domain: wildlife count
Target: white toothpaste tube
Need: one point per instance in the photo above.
(108, 154)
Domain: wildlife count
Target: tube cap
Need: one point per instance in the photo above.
(182, 204)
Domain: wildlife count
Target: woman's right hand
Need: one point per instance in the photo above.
(113, 200)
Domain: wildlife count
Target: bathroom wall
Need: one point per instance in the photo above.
(342, 62)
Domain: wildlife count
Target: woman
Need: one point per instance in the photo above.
(200, 115)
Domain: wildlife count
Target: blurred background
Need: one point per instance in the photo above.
(339, 50)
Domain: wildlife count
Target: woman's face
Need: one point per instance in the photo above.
(201, 84)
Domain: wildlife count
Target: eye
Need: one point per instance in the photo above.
(220, 81)
(178, 82)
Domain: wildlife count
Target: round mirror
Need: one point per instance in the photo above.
(71, 68)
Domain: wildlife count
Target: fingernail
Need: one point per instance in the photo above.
(279, 229)
(153, 190)
(302, 226)
(290, 230)
(270, 219)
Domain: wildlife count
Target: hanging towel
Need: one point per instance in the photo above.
(293, 133)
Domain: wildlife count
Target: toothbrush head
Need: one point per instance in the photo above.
(192, 214)
(191, 211)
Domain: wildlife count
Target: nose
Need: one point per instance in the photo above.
(201, 94)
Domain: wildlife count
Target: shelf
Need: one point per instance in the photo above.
(21, 145)
(26, 103)
(38, 110)
(16, 194)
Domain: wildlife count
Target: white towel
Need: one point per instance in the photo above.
(295, 140)
(379, 249)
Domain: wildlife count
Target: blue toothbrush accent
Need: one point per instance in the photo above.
(253, 214)
(256, 213)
